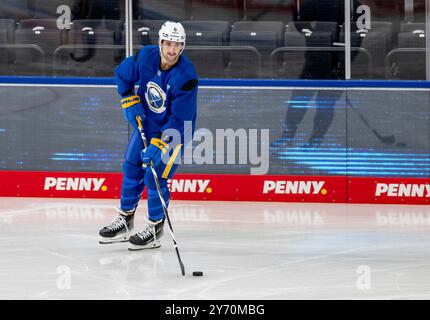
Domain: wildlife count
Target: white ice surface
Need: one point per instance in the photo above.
(49, 250)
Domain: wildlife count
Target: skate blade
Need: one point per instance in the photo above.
(103, 240)
(153, 245)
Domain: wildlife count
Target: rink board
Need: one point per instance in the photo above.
(65, 137)
(218, 187)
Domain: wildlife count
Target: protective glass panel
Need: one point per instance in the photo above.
(62, 128)
(301, 39)
(311, 47)
(388, 40)
(302, 131)
(388, 132)
(61, 38)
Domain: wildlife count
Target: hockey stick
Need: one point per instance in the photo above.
(160, 194)
(384, 139)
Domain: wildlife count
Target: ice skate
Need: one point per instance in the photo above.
(120, 228)
(149, 237)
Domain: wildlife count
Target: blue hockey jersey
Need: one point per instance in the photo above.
(169, 97)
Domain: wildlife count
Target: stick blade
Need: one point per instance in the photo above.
(181, 264)
(387, 140)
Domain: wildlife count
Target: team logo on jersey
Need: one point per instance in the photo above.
(155, 97)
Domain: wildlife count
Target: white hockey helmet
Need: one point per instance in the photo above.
(172, 31)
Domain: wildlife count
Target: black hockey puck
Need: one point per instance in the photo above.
(401, 144)
(197, 273)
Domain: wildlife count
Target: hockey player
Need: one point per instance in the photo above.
(166, 99)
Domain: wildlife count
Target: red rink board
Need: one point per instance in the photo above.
(328, 189)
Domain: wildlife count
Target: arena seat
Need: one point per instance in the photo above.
(412, 26)
(406, 62)
(96, 57)
(202, 39)
(8, 25)
(304, 64)
(206, 32)
(98, 24)
(50, 24)
(264, 36)
(384, 27)
(325, 26)
(154, 26)
(29, 61)
(7, 36)
(375, 43)
(4, 61)
(275, 27)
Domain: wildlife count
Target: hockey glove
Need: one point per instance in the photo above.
(132, 107)
(154, 152)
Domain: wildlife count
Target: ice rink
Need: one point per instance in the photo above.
(49, 250)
